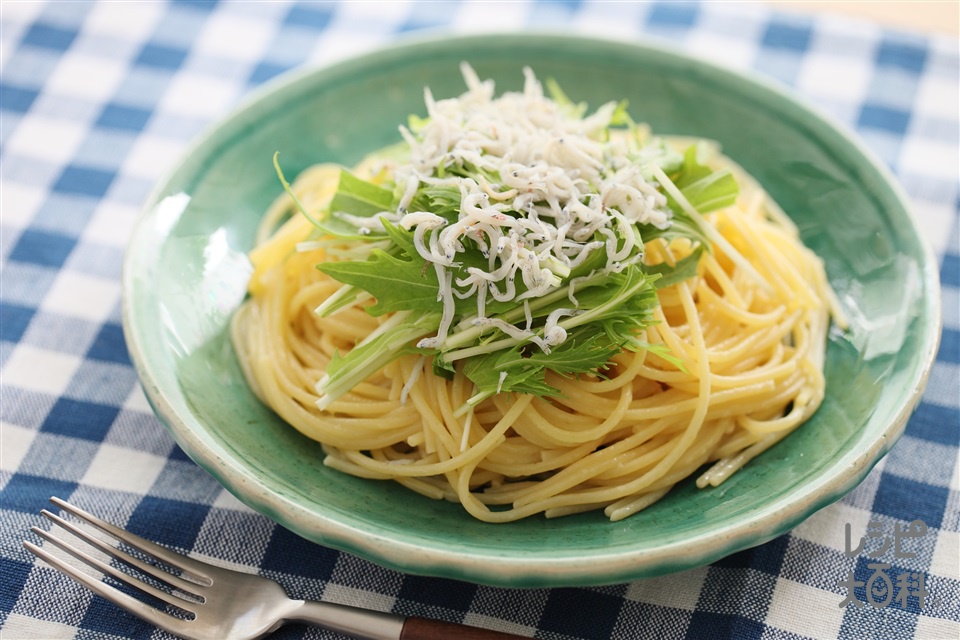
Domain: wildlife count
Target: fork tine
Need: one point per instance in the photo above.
(195, 569)
(115, 573)
(154, 616)
(172, 580)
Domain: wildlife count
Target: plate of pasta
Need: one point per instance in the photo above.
(531, 311)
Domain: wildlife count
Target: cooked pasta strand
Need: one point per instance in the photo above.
(748, 370)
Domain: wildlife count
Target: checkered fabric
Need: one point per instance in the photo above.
(98, 99)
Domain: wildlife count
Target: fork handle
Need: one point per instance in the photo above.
(426, 629)
(379, 625)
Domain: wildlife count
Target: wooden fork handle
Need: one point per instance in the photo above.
(425, 629)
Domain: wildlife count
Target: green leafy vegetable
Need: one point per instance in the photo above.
(707, 190)
(565, 313)
(359, 197)
(289, 190)
(346, 372)
(685, 269)
(608, 318)
(398, 282)
(511, 370)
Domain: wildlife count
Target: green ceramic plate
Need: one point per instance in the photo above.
(185, 272)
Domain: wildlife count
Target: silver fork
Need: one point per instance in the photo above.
(224, 604)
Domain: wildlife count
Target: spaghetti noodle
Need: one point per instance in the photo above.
(731, 362)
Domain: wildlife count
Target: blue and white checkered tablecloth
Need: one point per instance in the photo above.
(97, 99)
